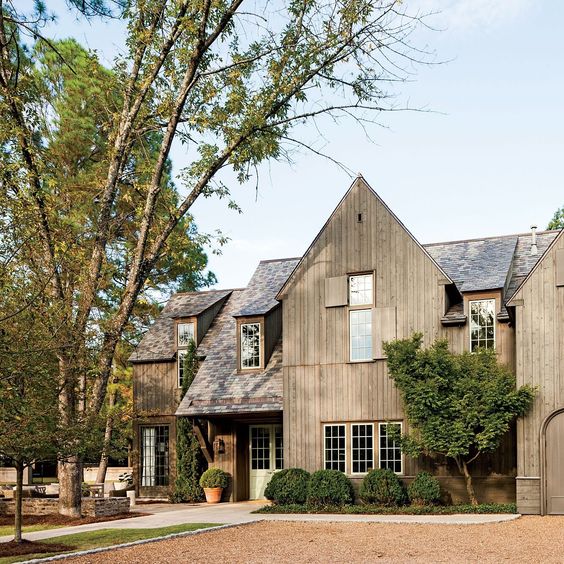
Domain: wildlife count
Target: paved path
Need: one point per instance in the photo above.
(163, 515)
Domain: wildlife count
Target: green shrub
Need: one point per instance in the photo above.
(424, 490)
(214, 478)
(329, 487)
(382, 487)
(288, 486)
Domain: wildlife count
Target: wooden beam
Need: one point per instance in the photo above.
(204, 445)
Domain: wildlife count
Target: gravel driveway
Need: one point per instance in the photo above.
(529, 539)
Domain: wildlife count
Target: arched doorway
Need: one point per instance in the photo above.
(552, 451)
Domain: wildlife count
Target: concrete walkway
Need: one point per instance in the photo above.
(163, 515)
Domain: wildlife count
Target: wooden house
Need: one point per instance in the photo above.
(293, 373)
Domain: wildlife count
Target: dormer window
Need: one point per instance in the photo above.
(482, 324)
(250, 345)
(184, 335)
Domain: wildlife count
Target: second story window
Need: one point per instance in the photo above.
(360, 317)
(250, 345)
(482, 324)
(360, 290)
(184, 334)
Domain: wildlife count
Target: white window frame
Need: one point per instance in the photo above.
(385, 424)
(367, 275)
(260, 352)
(370, 357)
(470, 302)
(180, 355)
(357, 424)
(325, 425)
(180, 324)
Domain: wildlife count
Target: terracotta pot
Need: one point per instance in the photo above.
(213, 495)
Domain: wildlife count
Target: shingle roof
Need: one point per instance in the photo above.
(260, 295)
(218, 387)
(158, 342)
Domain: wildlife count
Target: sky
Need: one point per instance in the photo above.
(484, 158)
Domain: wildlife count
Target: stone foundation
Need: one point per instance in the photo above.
(91, 506)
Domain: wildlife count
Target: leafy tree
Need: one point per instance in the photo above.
(457, 405)
(231, 85)
(189, 460)
(557, 221)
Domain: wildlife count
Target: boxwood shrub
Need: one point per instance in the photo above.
(382, 487)
(424, 490)
(288, 486)
(329, 487)
(214, 478)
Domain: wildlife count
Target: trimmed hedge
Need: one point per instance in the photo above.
(288, 486)
(382, 487)
(214, 478)
(424, 490)
(329, 487)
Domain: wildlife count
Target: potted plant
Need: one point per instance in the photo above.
(125, 481)
(213, 480)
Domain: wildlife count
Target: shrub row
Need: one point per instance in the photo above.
(332, 488)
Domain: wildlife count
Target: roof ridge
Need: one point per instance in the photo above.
(200, 292)
(279, 259)
(490, 237)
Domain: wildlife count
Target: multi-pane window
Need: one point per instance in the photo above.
(362, 447)
(360, 328)
(250, 345)
(335, 447)
(154, 456)
(389, 449)
(184, 335)
(482, 324)
(260, 448)
(360, 289)
(279, 448)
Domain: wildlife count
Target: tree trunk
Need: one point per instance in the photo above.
(70, 487)
(18, 509)
(103, 466)
(469, 486)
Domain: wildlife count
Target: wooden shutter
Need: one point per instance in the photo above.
(560, 267)
(336, 291)
(384, 328)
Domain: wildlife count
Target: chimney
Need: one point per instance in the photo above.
(534, 248)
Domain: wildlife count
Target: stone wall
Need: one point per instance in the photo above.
(91, 507)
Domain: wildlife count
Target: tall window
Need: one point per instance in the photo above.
(154, 456)
(279, 446)
(360, 319)
(250, 345)
(362, 448)
(482, 324)
(389, 449)
(335, 447)
(184, 334)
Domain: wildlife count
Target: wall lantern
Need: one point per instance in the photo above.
(218, 446)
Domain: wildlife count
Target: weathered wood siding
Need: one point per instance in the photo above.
(272, 331)
(155, 388)
(320, 384)
(539, 314)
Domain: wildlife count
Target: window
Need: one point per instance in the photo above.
(360, 290)
(279, 448)
(184, 335)
(180, 357)
(482, 324)
(360, 327)
(362, 448)
(335, 447)
(260, 448)
(389, 451)
(250, 345)
(154, 456)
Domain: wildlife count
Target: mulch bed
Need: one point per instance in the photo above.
(62, 520)
(27, 547)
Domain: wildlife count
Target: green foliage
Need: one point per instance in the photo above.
(424, 490)
(329, 487)
(190, 463)
(214, 478)
(557, 221)
(288, 486)
(382, 487)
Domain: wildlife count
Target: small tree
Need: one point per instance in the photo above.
(557, 221)
(457, 405)
(189, 460)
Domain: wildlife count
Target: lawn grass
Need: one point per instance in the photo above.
(105, 537)
(6, 530)
(403, 510)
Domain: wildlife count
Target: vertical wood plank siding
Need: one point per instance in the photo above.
(155, 388)
(320, 384)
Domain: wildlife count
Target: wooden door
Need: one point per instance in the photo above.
(555, 465)
(265, 457)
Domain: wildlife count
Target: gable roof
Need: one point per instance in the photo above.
(158, 342)
(359, 181)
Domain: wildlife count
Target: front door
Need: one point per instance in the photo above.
(266, 456)
(555, 465)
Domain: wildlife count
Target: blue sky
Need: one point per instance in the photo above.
(487, 160)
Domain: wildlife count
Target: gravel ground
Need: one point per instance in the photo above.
(528, 539)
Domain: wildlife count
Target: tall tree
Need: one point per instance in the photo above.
(232, 86)
(457, 405)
